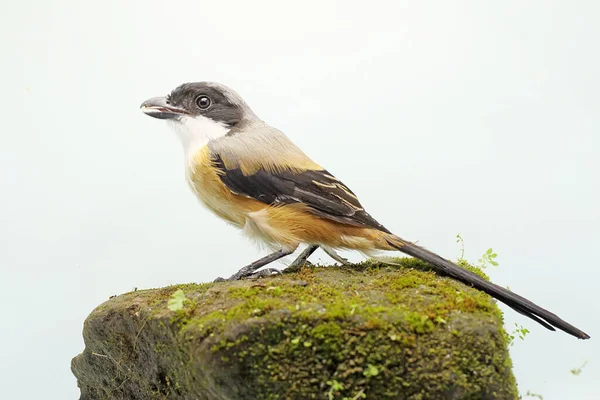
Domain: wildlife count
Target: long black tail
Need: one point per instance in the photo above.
(513, 300)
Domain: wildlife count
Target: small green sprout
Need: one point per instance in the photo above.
(370, 371)
(176, 300)
(459, 239)
(536, 395)
(335, 387)
(488, 258)
(577, 371)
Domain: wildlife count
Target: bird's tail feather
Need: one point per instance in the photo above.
(513, 300)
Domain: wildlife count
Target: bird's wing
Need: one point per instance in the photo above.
(323, 193)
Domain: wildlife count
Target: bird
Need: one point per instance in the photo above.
(255, 178)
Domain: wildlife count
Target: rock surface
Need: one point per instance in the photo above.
(362, 332)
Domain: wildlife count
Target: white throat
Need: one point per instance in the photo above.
(196, 132)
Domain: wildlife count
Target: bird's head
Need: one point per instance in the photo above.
(205, 110)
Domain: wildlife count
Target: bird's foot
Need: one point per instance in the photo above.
(249, 269)
(263, 273)
(296, 267)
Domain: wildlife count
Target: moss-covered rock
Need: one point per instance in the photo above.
(363, 332)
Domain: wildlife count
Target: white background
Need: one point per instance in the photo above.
(444, 117)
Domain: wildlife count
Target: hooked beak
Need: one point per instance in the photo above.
(159, 107)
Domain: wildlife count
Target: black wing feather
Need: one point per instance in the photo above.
(325, 195)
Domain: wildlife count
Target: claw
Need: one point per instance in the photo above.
(263, 273)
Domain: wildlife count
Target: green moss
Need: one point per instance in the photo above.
(288, 336)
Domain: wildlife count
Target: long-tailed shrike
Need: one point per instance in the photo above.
(254, 177)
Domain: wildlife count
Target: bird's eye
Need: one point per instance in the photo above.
(203, 102)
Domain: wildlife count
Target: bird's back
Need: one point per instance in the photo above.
(253, 145)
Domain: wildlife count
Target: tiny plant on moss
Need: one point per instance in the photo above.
(577, 371)
(459, 239)
(335, 387)
(488, 258)
(370, 371)
(176, 300)
(520, 331)
(360, 395)
(536, 395)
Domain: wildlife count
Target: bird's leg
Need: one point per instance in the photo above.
(333, 254)
(297, 263)
(247, 271)
(250, 268)
(303, 257)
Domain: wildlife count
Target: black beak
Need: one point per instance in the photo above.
(159, 107)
